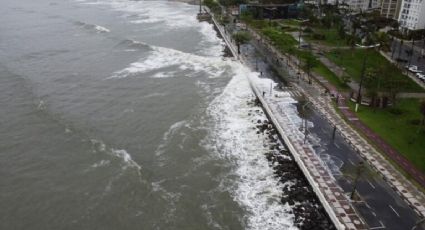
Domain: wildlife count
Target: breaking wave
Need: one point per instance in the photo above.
(160, 58)
(233, 137)
(92, 27)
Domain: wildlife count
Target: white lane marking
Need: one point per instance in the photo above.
(373, 213)
(351, 162)
(336, 145)
(371, 185)
(379, 227)
(394, 210)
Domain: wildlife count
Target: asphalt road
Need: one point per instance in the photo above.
(380, 206)
(415, 59)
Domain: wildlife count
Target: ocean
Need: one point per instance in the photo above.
(120, 114)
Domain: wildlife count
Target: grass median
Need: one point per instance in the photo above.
(400, 127)
(352, 62)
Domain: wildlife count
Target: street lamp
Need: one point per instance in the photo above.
(305, 121)
(358, 101)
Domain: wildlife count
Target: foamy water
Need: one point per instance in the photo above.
(234, 138)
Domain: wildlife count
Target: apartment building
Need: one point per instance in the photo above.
(391, 8)
(412, 14)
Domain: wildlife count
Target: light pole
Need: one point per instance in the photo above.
(358, 101)
(356, 179)
(305, 121)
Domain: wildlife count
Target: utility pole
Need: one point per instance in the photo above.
(305, 121)
(356, 179)
(200, 6)
(359, 97)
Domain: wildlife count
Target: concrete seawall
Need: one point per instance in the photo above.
(330, 211)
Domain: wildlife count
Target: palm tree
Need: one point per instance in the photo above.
(241, 38)
(383, 40)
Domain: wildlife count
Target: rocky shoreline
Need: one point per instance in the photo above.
(297, 193)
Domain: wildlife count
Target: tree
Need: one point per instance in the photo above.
(383, 40)
(310, 62)
(241, 38)
(372, 83)
(351, 41)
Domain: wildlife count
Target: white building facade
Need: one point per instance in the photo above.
(361, 5)
(412, 14)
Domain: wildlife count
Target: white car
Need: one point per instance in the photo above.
(414, 69)
(420, 76)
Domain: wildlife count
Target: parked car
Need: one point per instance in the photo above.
(414, 69)
(421, 76)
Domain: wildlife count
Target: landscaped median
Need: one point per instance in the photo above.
(401, 127)
(286, 43)
(352, 61)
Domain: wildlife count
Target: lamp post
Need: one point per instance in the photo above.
(305, 121)
(358, 101)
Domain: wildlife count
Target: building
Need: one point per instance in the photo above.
(271, 11)
(412, 14)
(391, 8)
(362, 5)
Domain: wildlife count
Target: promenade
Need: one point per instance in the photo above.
(326, 106)
(332, 197)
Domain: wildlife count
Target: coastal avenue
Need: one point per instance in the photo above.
(379, 205)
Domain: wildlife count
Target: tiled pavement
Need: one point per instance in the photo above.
(324, 104)
(332, 197)
(330, 194)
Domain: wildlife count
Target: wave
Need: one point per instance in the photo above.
(168, 135)
(123, 155)
(161, 57)
(233, 137)
(173, 15)
(92, 27)
(132, 44)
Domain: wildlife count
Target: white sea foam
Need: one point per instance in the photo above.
(123, 155)
(174, 15)
(101, 29)
(100, 163)
(168, 135)
(126, 158)
(233, 137)
(164, 75)
(161, 57)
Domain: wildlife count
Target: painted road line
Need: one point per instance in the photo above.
(373, 213)
(371, 185)
(394, 210)
(336, 145)
(351, 161)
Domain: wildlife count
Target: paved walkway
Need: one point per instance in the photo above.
(395, 179)
(330, 194)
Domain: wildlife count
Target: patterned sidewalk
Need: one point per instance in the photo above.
(325, 105)
(332, 197)
(321, 179)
